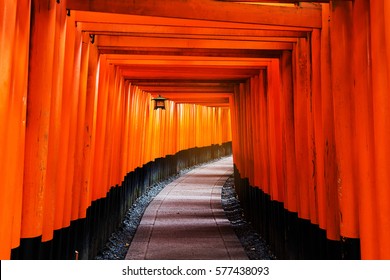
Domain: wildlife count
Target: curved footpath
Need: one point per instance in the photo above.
(186, 220)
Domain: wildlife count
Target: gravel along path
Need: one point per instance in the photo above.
(255, 247)
(119, 242)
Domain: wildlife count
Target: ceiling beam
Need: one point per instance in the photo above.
(125, 19)
(207, 104)
(226, 53)
(178, 63)
(206, 10)
(167, 58)
(188, 90)
(132, 29)
(201, 84)
(125, 42)
(193, 80)
(193, 95)
(202, 37)
(184, 98)
(177, 73)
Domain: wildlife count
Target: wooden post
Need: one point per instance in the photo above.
(14, 57)
(55, 125)
(344, 108)
(330, 165)
(380, 52)
(42, 44)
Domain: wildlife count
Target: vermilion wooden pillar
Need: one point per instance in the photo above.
(363, 101)
(63, 189)
(101, 117)
(343, 107)
(288, 138)
(14, 57)
(380, 51)
(79, 193)
(54, 147)
(301, 62)
(264, 145)
(255, 109)
(38, 116)
(89, 129)
(330, 167)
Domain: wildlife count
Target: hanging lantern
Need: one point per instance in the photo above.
(159, 102)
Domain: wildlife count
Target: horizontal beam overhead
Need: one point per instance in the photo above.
(126, 19)
(206, 10)
(201, 75)
(183, 58)
(205, 63)
(203, 99)
(226, 38)
(217, 52)
(124, 42)
(194, 71)
(132, 29)
(207, 104)
(183, 81)
(197, 95)
(192, 51)
(186, 89)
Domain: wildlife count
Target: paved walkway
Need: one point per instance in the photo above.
(186, 220)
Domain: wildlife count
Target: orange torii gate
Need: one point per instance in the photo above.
(298, 91)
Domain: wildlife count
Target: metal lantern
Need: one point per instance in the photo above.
(159, 102)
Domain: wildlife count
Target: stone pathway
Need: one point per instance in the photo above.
(186, 220)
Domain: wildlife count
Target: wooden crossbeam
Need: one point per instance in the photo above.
(147, 30)
(217, 52)
(159, 59)
(188, 73)
(88, 17)
(186, 89)
(207, 10)
(124, 42)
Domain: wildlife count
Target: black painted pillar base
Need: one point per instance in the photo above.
(87, 236)
(289, 236)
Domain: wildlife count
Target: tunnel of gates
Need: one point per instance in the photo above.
(308, 125)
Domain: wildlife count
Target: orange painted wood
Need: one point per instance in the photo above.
(311, 104)
(380, 34)
(79, 160)
(14, 52)
(63, 186)
(71, 193)
(207, 10)
(309, 119)
(272, 99)
(288, 139)
(301, 125)
(55, 125)
(123, 42)
(318, 142)
(330, 164)
(126, 19)
(363, 101)
(97, 165)
(38, 117)
(89, 130)
(275, 130)
(255, 108)
(265, 173)
(139, 27)
(343, 108)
